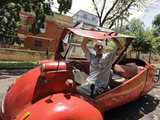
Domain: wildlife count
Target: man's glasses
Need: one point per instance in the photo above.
(99, 47)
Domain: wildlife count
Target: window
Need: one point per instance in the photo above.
(85, 16)
(38, 43)
(24, 22)
(93, 18)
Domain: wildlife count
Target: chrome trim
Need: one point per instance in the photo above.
(42, 68)
(2, 103)
(58, 71)
(38, 62)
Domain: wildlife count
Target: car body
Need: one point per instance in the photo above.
(48, 92)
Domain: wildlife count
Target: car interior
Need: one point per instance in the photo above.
(122, 71)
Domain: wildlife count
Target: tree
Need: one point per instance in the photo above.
(156, 30)
(156, 21)
(157, 44)
(156, 25)
(144, 41)
(64, 5)
(9, 16)
(118, 9)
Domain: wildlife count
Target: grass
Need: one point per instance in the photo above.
(156, 65)
(13, 64)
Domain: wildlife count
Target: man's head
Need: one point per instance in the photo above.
(99, 48)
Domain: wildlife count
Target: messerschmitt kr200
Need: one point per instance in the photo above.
(49, 91)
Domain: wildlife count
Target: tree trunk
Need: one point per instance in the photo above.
(150, 55)
(137, 54)
(3, 43)
(130, 53)
(118, 25)
(121, 25)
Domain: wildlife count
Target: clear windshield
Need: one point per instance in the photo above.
(72, 46)
(73, 51)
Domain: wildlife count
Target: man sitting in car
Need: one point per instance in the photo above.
(100, 66)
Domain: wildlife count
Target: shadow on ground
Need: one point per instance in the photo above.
(13, 72)
(4, 74)
(134, 110)
(3, 77)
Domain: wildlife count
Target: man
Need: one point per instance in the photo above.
(100, 67)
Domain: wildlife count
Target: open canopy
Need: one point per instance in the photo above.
(95, 34)
(102, 34)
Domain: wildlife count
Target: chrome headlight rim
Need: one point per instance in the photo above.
(2, 103)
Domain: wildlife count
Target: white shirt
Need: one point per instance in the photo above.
(100, 68)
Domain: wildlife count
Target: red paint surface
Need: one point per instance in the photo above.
(96, 34)
(45, 61)
(128, 91)
(54, 66)
(59, 107)
(28, 91)
(21, 93)
(150, 79)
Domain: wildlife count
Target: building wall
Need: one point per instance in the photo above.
(30, 43)
(49, 39)
(7, 54)
(62, 17)
(85, 17)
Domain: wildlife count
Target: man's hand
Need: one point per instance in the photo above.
(84, 45)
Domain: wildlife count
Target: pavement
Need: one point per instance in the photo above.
(145, 108)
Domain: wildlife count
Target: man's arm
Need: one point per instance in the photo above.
(84, 46)
(119, 46)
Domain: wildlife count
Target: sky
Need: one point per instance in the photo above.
(149, 13)
(146, 15)
(78, 5)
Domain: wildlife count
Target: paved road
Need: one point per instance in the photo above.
(145, 108)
